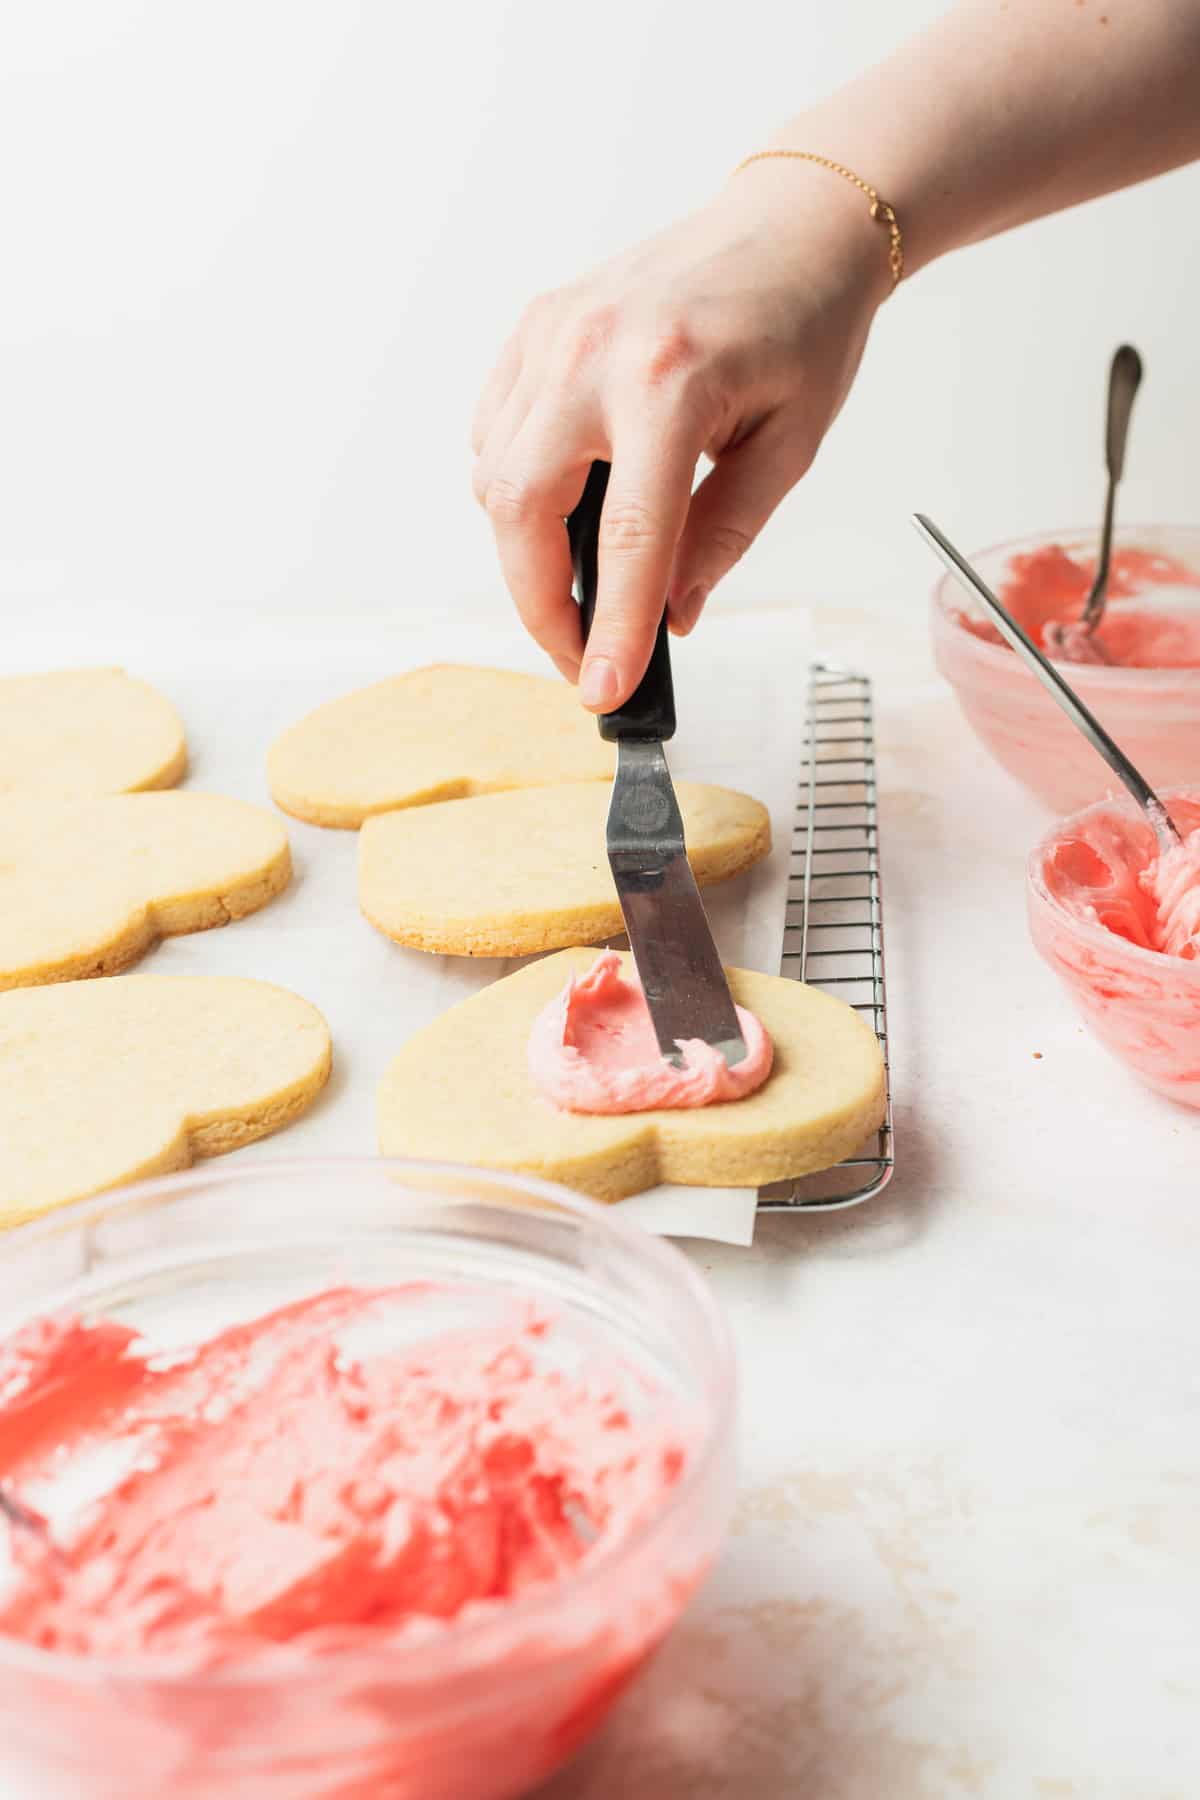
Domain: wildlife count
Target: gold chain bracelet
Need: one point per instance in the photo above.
(879, 208)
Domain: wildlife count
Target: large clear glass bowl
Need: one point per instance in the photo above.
(487, 1708)
(1154, 714)
(1142, 1006)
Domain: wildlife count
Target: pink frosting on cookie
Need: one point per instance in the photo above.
(593, 1050)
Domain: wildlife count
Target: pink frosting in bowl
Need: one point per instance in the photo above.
(1148, 696)
(397, 1519)
(1119, 923)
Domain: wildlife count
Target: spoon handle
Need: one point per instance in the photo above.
(1124, 379)
(1048, 675)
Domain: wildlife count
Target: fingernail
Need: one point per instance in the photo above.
(690, 607)
(598, 684)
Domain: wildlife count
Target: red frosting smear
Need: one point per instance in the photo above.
(273, 1486)
(594, 1050)
(1046, 589)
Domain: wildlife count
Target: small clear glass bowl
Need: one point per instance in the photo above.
(1142, 1006)
(488, 1707)
(1154, 714)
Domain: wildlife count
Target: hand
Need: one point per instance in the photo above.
(734, 334)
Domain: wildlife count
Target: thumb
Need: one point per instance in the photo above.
(729, 509)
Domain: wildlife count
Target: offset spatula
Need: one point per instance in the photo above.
(673, 949)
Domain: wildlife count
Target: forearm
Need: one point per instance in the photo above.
(1006, 110)
(737, 332)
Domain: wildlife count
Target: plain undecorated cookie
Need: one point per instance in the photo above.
(510, 874)
(87, 731)
(460, 1091)
(108, 1081)
(434, 734)
(87, 886)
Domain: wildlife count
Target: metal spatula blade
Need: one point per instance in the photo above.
(673, 950)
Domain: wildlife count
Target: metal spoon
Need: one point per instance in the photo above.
(1124, 379)
(1052, 681)
(21, 1516)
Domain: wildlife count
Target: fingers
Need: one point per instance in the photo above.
(528, 476)
(531, 539)
(537, 482)
(565, 395)
(536, 327)
(645, 509)
(496, 390)
(527, 497)
(729, 509)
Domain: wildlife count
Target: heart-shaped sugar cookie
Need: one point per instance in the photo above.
(86, 886)
(107, 1081)
(433, 734)
(513, 873)
(87, 731)
(460, 1091)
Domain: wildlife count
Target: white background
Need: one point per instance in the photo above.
(257, 255)
(254, 260)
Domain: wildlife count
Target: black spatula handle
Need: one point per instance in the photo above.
(650, 710)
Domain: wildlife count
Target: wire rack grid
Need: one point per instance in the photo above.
(833, 936)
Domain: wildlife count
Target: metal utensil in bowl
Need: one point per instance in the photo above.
(1124, 379)
(1052, 680)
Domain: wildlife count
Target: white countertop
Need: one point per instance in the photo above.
(965, 1559)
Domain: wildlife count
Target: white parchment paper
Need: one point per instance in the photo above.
(740, 696)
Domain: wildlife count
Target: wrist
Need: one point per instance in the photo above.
(819, 218)
(912, 171)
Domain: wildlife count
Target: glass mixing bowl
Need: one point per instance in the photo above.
(1143, 1006)
(1154, 714)
(483, 1708)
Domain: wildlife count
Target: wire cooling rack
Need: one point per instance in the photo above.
(833, 936)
